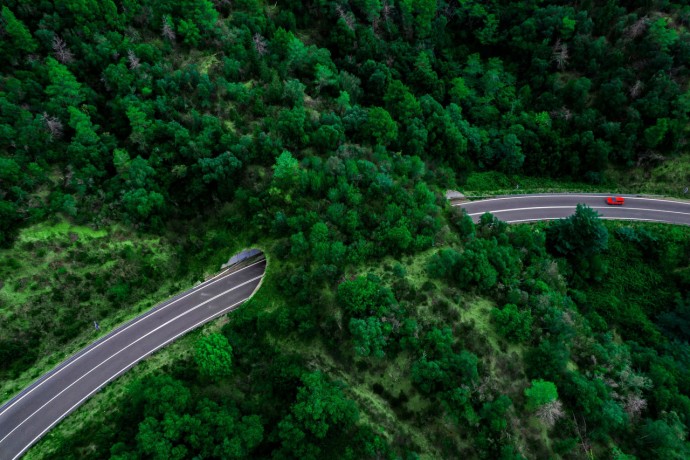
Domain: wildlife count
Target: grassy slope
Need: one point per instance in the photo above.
(668, 178)
(60, 257)
(383, 391)
(50, 258)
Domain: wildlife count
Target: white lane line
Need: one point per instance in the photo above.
(112, 377)
(567, 195)
(107, 338)
(606, 218)
(573, 207)
(521, 209)
(124, 348)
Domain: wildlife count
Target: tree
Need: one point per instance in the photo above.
(363, 296)
(444, 263)
(286, 171)
(18, 32)
(291, 126)
(580, 235)
(663, 35)
(420, 14)
(370, 336)
(213, 356)
(381, 127)
(321, 406)
(64, 90)
(539, 394)
(512, 323)
(401, 102)
(10, 220)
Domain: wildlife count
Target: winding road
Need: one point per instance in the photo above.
(527, 208)
(30, 414)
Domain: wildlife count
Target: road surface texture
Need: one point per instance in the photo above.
(27, 417)
(527, 208)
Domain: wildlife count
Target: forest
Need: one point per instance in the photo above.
(142, 142)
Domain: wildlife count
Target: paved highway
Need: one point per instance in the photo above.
(27, 417)
(526, 208)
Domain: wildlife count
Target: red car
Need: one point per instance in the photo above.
(615, 200)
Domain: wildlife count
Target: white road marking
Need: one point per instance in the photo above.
(520, 209)
(124, 348)
(125, 369)
(148, 314)
(573, 207)
(607, 218)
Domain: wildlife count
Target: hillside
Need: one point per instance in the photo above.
(142, 143)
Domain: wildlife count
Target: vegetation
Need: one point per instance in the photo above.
(142, 142)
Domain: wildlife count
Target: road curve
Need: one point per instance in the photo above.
(29, 415)
(527, 208)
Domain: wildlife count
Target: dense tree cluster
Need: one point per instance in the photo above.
(327, 129)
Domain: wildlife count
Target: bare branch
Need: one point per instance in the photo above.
(560, 55)
(549, 413)
(133, 60)
(168, 31)
(53, 125)
(636, 89)
(62, 52)
(634, 405)
(346, 16)
(260, 44)
(638, 28)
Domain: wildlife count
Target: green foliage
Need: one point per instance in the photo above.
(381, 126)
(364, 295)
(17, 31)
(663, 35)
(286, 171)
(370, 336)
(512, 323)
(213, 355)
(581, 235)
(64, 90)
(321, 405)
(540, 393)
(329, 132)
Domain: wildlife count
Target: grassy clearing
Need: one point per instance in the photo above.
(668, 178)
(58, 278)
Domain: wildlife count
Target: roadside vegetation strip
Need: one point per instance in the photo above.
(74, 358)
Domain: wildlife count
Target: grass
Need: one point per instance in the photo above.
(47, 275)
(69, 260)
(668, 179)
(492, 183)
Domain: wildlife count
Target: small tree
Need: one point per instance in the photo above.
(580, 235)
(381, 126)
(213, 355)
(513, 324)
(540, 393)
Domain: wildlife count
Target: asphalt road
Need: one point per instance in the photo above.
(27, 417)
(526, 208)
